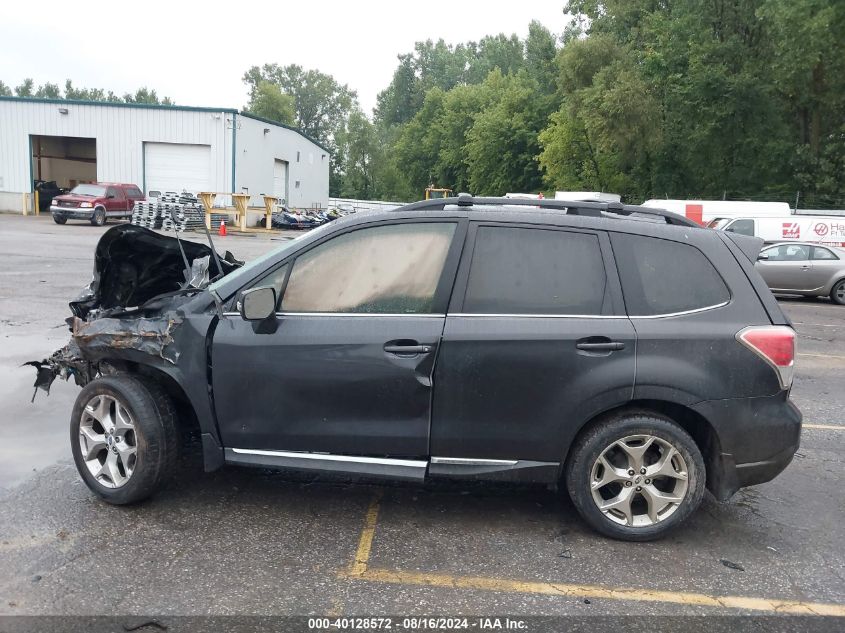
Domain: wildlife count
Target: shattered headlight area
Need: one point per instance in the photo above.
(134, 303)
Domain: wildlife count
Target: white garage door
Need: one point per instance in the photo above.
(280, 179)
(177, 167)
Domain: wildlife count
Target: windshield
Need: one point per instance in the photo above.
(95, 191)
(254, 267)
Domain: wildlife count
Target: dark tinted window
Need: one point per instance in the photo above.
(662, 277)
(134, 192)
(823, 253)
(788, 253)
(535, 271)
(743, 227)
(383, 269)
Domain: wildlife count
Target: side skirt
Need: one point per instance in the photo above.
(409, 469)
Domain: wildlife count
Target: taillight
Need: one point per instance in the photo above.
(775, 344)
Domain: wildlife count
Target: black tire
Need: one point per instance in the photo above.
(155, 435)
(837, 293)
(593, 443)
(59, 219)
(99, 217)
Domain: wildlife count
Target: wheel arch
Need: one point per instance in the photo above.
(700, 429)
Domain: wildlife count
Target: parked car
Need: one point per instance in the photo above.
(622, 353)
(804, 268)
(47, 190)
(96, 202)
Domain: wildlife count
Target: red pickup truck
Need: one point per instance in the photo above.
(96, 202)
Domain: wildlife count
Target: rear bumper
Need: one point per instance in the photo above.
(72, 213)
(758, 438)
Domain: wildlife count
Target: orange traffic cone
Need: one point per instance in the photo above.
(222, 231)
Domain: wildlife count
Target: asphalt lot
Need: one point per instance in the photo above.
(243, 541)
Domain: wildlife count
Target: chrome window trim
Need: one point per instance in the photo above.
(684, 312)
(496, 315)
(470, 461)
(413, 463)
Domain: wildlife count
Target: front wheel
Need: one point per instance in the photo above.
(58, 219)
(837, 294)
(123, 437)
(635, 476)
(99, 217)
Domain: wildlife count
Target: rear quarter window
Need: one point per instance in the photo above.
(664, 277)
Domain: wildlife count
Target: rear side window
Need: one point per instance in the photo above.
(663, 277)
(535, 271)
(823, 253)
(134, 192)
(384, 269)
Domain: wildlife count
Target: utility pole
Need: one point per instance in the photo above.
(797, 195)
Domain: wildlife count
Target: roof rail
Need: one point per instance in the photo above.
(572, 207)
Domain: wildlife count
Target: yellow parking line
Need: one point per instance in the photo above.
(359, 569)
(598, 591)
(822, 355)
(365, 543)
(826, 427)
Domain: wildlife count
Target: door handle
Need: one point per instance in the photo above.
(605, 346)
(409, 349)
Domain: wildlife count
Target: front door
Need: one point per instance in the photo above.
(536, 342)
(347, 366)
(115, 202)
(787, 267)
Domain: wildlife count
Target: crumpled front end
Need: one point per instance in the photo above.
(134, 305)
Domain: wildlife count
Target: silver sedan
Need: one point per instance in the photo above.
(801, 268)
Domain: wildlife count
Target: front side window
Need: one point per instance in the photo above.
(535, 271)
(743, 227)
(788, 253)
(664, 277)
(391, 269)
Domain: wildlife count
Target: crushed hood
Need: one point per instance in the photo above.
(134, 302)
(133, 265)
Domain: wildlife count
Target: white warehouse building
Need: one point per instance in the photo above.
(158, 148)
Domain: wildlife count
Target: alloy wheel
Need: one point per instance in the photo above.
(839, 291)
(639, 480)
(108, 441)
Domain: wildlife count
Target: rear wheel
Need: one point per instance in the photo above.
(58, 219)
(635, 476)
(99, 217)
(123, 437)
(837, 294)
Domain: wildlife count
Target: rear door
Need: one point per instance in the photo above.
(536, 342)
(346, 368)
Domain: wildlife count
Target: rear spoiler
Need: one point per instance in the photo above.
(750, 246)
(745, 250)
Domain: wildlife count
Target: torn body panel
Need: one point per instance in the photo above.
(134, 307)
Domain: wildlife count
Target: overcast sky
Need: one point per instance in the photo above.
(196, 53)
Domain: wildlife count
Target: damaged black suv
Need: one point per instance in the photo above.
(624, 353)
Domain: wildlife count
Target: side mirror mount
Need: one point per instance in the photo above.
(257, 304)
(110, 196)
(762, 257)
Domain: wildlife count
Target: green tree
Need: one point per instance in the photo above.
(321, 104)
(5, 91)
(271, 103)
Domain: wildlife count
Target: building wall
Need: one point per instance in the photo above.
(121, 131)
(308, 163)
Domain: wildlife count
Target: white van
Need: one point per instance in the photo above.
(705, 211)
(588, 196)
(820, 229)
